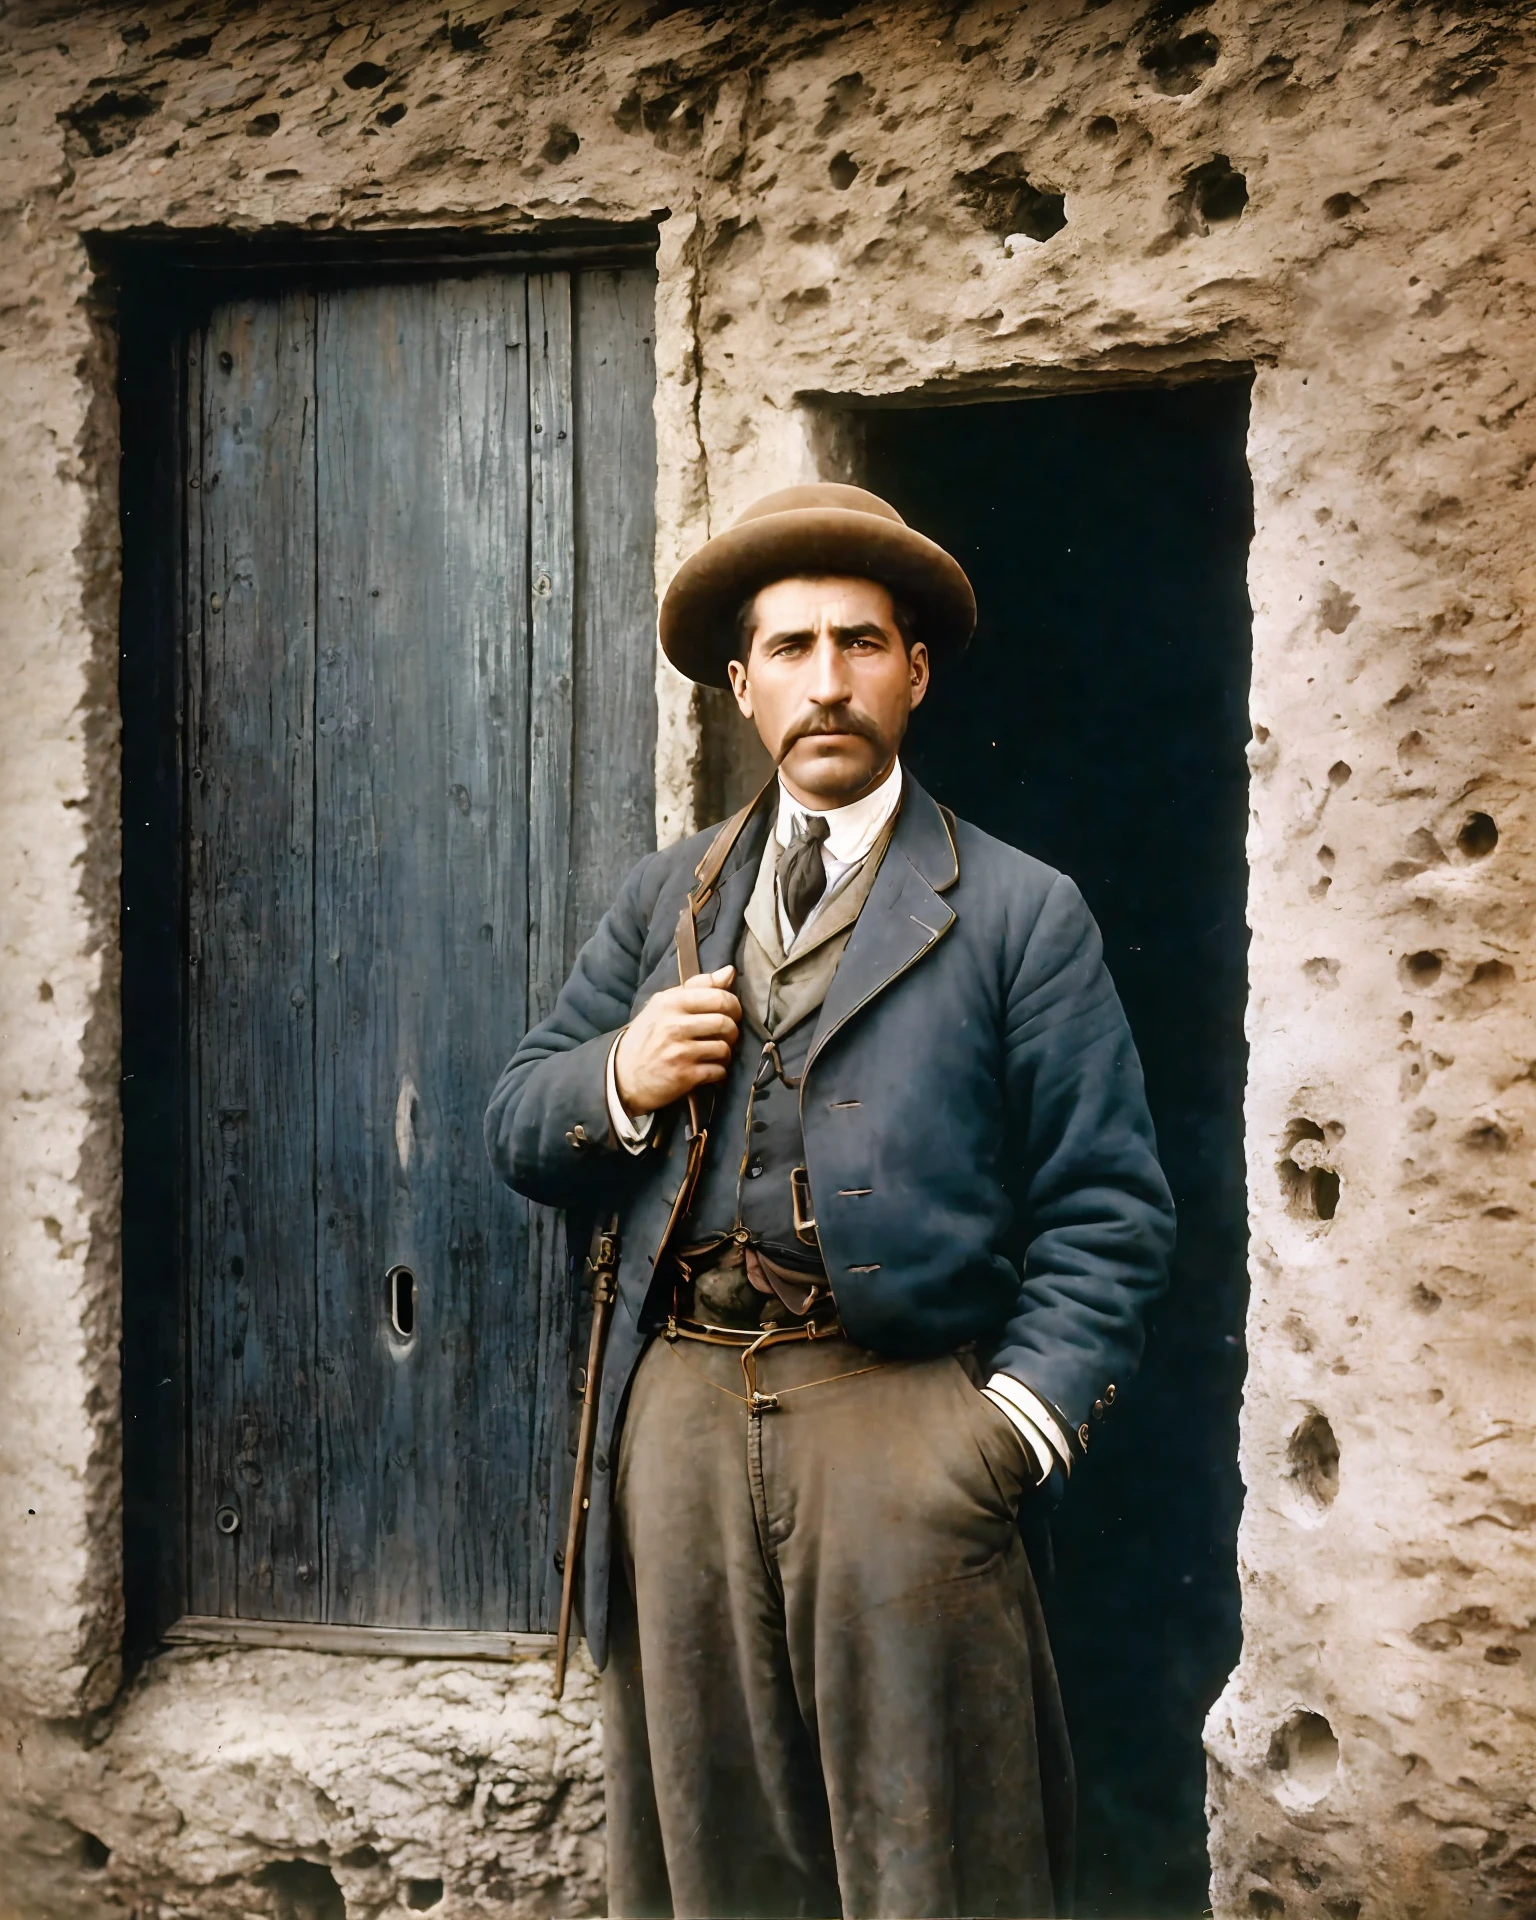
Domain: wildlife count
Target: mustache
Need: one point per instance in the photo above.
(835, 720)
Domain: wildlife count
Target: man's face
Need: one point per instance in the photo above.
(827, 672)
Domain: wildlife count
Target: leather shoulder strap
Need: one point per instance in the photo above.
(705, 874)
(687, 942)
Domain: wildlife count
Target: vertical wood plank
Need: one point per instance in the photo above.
(250, 806)
(422, 928)
(151, 369)
(552, 545)
(552, 506)
(615, 541)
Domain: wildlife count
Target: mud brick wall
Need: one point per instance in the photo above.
(869, 199)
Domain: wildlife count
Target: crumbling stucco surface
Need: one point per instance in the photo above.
(873, 199)
(221, 1770)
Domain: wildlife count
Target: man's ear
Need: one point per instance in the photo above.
(917, 665)
(740, 686)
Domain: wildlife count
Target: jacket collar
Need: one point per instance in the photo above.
(904, 918)
(924, 835)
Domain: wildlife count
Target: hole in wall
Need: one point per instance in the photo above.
(1006, 201)
(110, 121)
(422, 1895)
(1312, 1465)
(1264, 1903)
(1178, 65)
(360, 1858)
(1409, 749)
(843, 170)
(1337, 609)
(1305, 1751)
(1103, 127)
(1213, 195)
(561, 143)
(1489, 979)
(303, 1890)
(1477, 837)
(94, 1853)
(1309, 1179)
(1420, 970)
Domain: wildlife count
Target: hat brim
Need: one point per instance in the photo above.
(698, 612)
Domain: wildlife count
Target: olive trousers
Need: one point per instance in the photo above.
(829, 1690)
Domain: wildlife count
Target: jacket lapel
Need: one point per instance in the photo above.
(904, 917)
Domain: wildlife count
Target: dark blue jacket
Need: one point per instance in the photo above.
(982, 1162)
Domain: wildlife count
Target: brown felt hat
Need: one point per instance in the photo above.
(819, 529)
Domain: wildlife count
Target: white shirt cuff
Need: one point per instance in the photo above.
(630, 1133)
(1037, 1425)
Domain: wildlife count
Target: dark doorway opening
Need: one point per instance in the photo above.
(1100, 721)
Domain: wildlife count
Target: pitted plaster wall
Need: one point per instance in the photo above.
(828, 173)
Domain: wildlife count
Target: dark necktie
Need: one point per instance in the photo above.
(802, 871)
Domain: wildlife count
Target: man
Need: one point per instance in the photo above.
(907, 1275)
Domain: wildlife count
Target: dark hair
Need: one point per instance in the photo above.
(901, 609)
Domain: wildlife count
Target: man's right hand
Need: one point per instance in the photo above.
(682, 1039)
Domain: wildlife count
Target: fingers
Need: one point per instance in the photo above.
(707, 1026)
(708, 1051)
(721, 977)
(703, 1000)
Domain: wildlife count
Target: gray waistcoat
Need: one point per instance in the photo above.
(754, 1132)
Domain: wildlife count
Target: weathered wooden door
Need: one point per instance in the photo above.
(419, 742)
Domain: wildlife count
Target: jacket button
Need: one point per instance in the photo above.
(1083, 1436)
(1098, 1409)
(577, 1137)
(1109, 1394)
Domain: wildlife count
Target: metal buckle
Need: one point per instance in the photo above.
(800, 1197)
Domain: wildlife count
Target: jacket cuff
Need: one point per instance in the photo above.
(1034, 1442)
(1031, 1415)
(630, 1132)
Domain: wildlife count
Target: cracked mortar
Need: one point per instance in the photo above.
(870, 200)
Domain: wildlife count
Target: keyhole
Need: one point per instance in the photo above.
(401, 1285)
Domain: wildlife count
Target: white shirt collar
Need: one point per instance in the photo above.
(851, 830)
